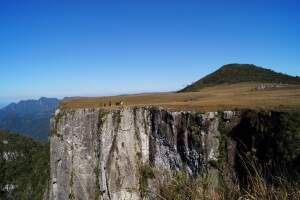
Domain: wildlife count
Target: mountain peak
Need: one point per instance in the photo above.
(238, 73)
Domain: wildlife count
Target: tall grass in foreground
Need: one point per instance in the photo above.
(260, 183)
(180, 186)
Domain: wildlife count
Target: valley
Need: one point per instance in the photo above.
(198, 143)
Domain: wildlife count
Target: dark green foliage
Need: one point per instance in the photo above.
(146, 172)
(27, 167)
(272, 139)
(236, 73)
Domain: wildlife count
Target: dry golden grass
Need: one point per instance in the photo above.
(221, 97)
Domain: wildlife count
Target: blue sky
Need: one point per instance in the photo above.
(62, 48)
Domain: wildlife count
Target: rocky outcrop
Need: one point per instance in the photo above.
(97, 153)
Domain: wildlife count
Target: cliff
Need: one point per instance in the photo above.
(97, 152)
(129, 152)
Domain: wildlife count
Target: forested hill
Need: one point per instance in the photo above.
(24, 167)
(237, 73)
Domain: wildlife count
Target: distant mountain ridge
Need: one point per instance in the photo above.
(237, 73)
(29, 117)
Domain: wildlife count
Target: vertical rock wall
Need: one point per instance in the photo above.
(97, 153)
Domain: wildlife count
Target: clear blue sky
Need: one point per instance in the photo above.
(62, 48)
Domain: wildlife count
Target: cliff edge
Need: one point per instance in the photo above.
(99, 153)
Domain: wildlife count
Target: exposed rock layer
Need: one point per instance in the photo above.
(96, 153)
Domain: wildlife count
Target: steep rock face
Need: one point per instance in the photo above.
(97, 153)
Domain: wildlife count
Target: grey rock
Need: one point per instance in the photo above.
(227, 115)
(96, 153)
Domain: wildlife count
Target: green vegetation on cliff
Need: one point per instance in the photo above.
(259, 159)
(24, 167)
(272, 138)
(237, 73)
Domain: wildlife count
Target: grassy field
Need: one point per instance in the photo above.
(221, 97)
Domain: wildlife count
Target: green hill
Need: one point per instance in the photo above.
(237, 73)
(24, 167)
